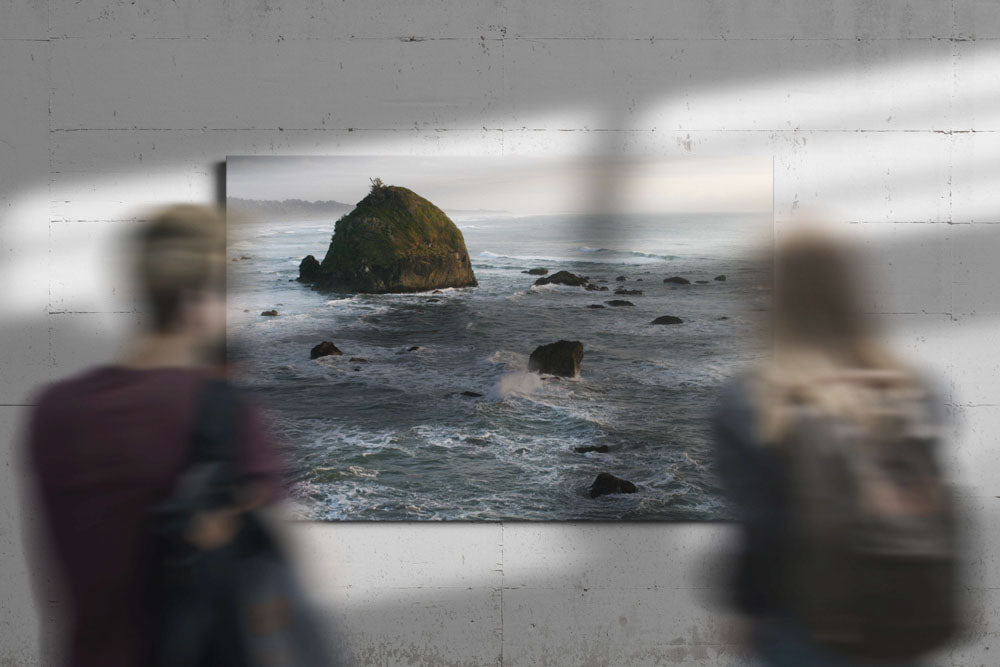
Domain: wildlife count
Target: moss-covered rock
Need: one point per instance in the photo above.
(393, 241)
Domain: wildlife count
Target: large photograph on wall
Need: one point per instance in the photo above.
(497, 338)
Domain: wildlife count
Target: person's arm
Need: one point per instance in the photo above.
(259, 461)
(259, 473)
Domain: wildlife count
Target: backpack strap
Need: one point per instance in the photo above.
(214, 425)
(209, 479)
(213, 460)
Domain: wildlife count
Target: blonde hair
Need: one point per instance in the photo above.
(179, 252)
(825, 350)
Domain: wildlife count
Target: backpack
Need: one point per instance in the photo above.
(872, 558)
(238, 605)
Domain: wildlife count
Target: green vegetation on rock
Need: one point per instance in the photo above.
(393, 241)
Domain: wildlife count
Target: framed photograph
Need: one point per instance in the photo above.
(497, 338)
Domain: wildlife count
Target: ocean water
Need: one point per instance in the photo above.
(395, 439)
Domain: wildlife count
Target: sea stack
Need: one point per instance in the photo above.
(393, 241)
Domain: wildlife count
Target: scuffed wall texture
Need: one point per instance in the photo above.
(885, 111)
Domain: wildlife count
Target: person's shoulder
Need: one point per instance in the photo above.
(57, 408)
(62, 391)
(932, 395)
(735, 394)
(932, 386)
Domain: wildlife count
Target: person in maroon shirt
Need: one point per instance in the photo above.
(107, 446)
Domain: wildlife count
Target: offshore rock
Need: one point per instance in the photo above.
(560, 358)
(563, 278)
(607, 483)
(393, 241)
(324, 349)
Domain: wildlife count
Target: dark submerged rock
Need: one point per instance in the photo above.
(721, 279)
(324, 349)
(606, 483)
(667, 319)
(536, 272)
(595, 305)
(621, 278)
(595, 288)
(629, 292)
(603, 449)
(472, 394)
(269, 313)
(618, 303)
(560, 358)
(563, 278)
(677, 280)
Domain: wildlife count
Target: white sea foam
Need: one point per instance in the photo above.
(520, 383)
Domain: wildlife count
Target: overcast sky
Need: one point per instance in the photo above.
(518, 185)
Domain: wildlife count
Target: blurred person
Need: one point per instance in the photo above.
(847, 551)
(142, 499)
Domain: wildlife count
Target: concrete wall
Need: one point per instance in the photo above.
(887, 111)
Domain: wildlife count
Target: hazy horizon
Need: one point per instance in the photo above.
(515, 184)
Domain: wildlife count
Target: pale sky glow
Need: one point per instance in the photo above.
(520, 185)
